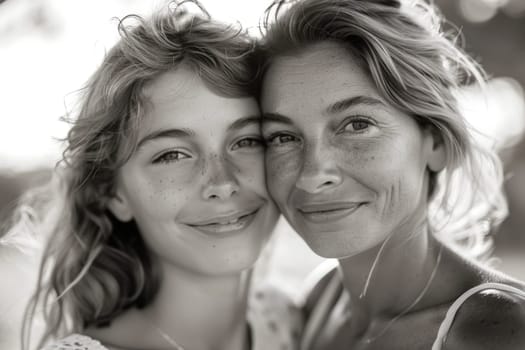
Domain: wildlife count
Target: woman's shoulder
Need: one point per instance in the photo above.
(488, 316)
(75, 342)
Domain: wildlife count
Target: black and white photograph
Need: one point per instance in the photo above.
(262, 175)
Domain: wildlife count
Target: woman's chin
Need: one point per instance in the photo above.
(336, 245)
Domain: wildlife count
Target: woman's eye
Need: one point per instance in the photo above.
(247, 142)
(357, 125)
(281, 139)
(170, 156)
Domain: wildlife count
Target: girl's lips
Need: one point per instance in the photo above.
(227, 218)
(229, 224)
(328, 212)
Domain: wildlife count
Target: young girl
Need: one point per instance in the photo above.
(162, 197)
(371, 162)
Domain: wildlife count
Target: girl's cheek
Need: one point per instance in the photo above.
(167, 188)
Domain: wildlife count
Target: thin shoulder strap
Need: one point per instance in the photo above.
(452, 311)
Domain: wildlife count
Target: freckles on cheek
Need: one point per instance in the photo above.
(281, 170)
(167, 190)
(357, 157)
(369, 159)
(281, 177)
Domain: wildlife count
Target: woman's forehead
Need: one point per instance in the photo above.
(325, 71)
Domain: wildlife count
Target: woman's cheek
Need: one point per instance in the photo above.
(282, 171)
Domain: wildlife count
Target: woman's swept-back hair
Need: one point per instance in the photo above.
(419, 69)
(94, 266)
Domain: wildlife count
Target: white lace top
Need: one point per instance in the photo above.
(275, 322)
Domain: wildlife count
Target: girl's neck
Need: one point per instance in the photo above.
(201, 311)
(195, 311)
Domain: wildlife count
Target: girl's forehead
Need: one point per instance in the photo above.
(171, 84)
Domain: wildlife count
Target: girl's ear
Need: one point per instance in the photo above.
(119, 207)
(434, 148)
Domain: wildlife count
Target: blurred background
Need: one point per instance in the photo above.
(48, 48)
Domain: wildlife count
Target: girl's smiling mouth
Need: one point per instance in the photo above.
(229, 223)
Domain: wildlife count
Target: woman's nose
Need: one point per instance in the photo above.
(319, 171)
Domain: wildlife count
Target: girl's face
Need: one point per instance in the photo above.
(195, 186)
(346, 168)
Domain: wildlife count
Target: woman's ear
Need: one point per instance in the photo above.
(119, 207)
(434, 148)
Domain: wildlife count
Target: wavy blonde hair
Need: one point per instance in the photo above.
(418, 68)
(96, 267)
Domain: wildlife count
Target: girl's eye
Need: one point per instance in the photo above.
(247, 142)
(170, 156)
(281, 139)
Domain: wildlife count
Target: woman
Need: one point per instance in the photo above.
(370, 161)
(164, 207)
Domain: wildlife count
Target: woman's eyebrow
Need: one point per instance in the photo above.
(173, 133)
(344, 104)
(276, 117)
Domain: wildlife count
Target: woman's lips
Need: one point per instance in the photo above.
(328, 212)
(226, 224)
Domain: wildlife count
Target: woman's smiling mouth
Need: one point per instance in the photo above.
(320, 213)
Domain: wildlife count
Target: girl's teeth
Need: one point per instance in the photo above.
(229, 222)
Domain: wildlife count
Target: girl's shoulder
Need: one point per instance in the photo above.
(275, 319)
(322, 284)
(75, 342)
(487, 316)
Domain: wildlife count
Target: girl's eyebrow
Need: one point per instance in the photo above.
(187, 133)
(346, 103)
(162, 133)
(245, 121)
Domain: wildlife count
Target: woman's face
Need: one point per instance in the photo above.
(195, 186)
(345, 167)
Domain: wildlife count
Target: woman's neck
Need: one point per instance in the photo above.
(201, 311)
(385, 280)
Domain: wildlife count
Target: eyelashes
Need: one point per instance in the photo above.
(356, 125)
(172, 156)
(353, 125)
(248, 142)
(280, 139)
